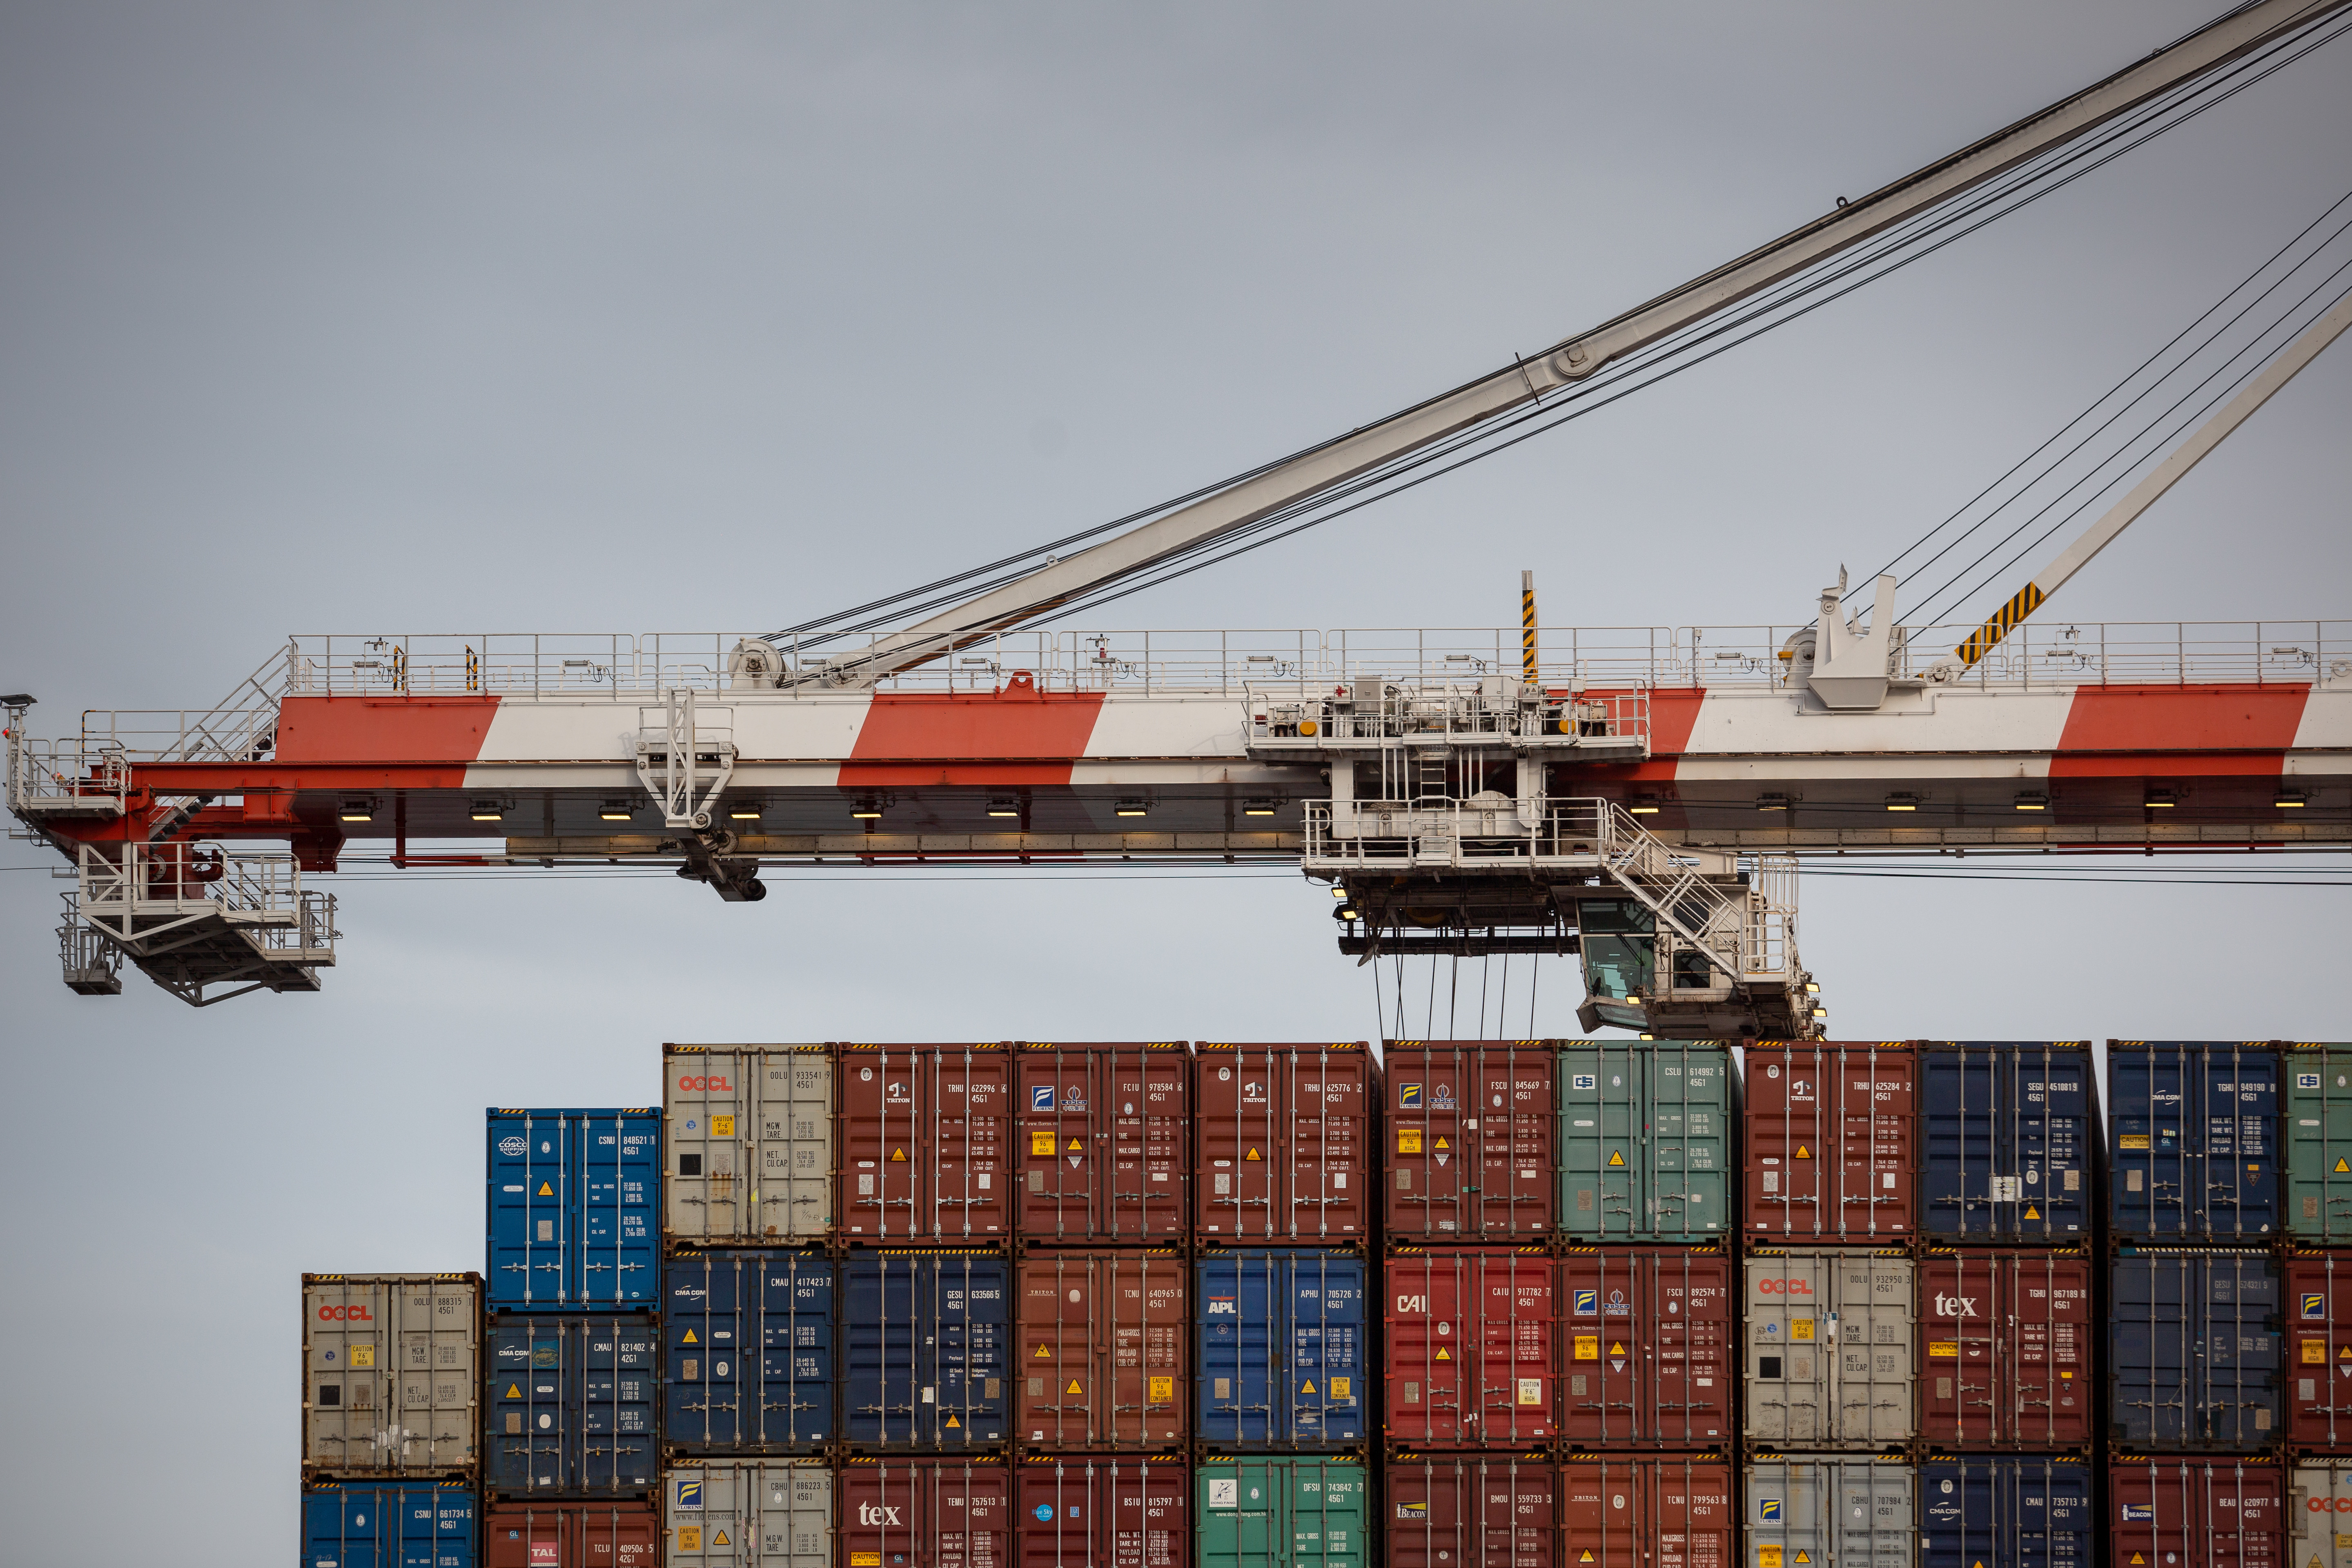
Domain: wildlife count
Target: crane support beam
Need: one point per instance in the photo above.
(2165, 474)
(1335, 463)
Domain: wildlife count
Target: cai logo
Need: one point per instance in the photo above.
(1588, 1303)
(689, 1494)
(1408, 1097)
(1769, 1509)
(2314, 1304)
(1040, 1097)
(512, 1148)
(1045, 1510)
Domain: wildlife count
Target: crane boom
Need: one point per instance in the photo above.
(1335, 463)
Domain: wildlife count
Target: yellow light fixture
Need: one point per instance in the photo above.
(2033, 800)
(359, 810)
(743, 813)
(1257, 808)
(2289, 797)
(1004, 806)
(488, 811)
(1130, 807)
(614, 811)
(1902, 803)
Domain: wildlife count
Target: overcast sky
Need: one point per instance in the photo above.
(430, 318)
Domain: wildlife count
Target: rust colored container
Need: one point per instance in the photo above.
(922, 1513)
(1645, 1337)
(1832, 1142)
(1467, 1147)
(2319, 1321)
(2167, 1512)
(1471, 1510)
(922, 1142)
(1472, 1347)
(1103, 1349)
(2005, 1338)
(1282, 1148)
(572, 1535)
(1110, 1510)
(1100, 1141)
(1664, 1512)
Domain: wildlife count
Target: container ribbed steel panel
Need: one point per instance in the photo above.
(2194, 1144)
(748, 1338)
(1471, 1351)
(926, 1340)
(573, 1402)
(389, 1525)
(1261, 1510)
(541, 1534)
(2319, 1513)
(1492, 1510)
(1830, 1348)
(392, 1368)
(2167, 1510)
(1832, 1142)
(2319, 1349)
(1645, 1142)
(747, 1513)
(1469, 1144)
(924, 1130)
(1830, 1510)
(1283, 1143)
(2194, 1349)
(572, 1210)
(1283, 1348)
(1102, 1510)
(1104, 1340)
(1101, 1141)
(750, 1139)
(2010, 1137)
(2318, 1144)
(1646, 1340)
(926, 1512)
(2008, 1510)
(2005, 1338)
(1666, 1510)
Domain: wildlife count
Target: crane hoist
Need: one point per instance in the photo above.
(1634, 798)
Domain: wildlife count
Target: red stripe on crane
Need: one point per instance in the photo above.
(2129, 731)
(413, 730)
(1674, 714)
(1015, 736)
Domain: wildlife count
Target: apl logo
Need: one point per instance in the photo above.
(1221, 1307)
(2314, 1304)
(1040, 1097)
(689, 1494)
(1408, 1097)
(512, 1148)
(1588, 1303)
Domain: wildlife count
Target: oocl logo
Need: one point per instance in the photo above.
(1784, 1287)
(358, 1314)
(715, 1083)
(2328, 1505)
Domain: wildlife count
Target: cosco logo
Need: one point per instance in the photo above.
(1784, 1287)
(512, 1148)
(345, 1315)
(715, 1082)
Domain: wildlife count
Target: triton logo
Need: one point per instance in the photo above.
(512, 1148)
(875, 1513)
(1956, 1306)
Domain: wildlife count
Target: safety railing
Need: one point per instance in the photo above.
(53, 778)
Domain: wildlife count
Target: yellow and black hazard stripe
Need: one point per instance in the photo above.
(2003, 622)
(1527, 633)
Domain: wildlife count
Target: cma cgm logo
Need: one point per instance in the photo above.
(345, 1315)
(512, 1148)
(1784, 1287)
(2315, 1305)
(875, 1513)
(1956, 1306)
(707, 1083)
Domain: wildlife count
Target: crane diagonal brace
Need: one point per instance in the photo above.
(684, 765)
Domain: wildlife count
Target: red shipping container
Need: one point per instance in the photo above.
(2165, 1511)
(2005, 1357)
(572, 1535)
(1107, 1510)
(1472, 1347)
(1104, 1344)
(1662, 1513)
(1099, 1140)
(1469, 1144)
(1647, 1336)
(1471, 1511)
(2319, 1350)
(1832, 1141)
(922, 1142)
(921, 1513)
(1283, 1141)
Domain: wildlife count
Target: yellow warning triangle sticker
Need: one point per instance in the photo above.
(899, 1157)
(1617, 1349)
(1803, 1152)
(1588, 1555)
(1251, 1156)
(1310, 1388)
(2345, 1354)
(1075, 1148)
(2341, 1167)
(1616, 1157)
(1443, 1354)
(1801, 1557)
(514, 1391)
(721, 1539)
(2033, 1212)
(544, 1191)
(2139, 1557)
(953, 1422)
(690, 1339)
(1444, 1144)
(1074, 1387)
(1042, 1354)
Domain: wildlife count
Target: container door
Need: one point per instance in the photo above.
(348, 1364)
(1239, 1338)
(1510, 1130)
(1789, 1356)
(532, 1167)
(1150, 1115)
(2241, 1109)
(1433, 1173)
(1238, 1514)
(793, 1522)
(1237, 1188)
(1872, 1328)
(1789, 1521)
(532, 1419)
(439, 1369)
(2319, 1497)
(791, 1156)
(615, 1399)
(1429, 1351)
(885, 1112)
(1060, 1150)
(705, 1106)
(1323, 1392)
(1690, 1195)
(1329, 1513)
(1874, 1515)
(1671, 1311)
(618, 1173)
(2152, 1116)
(2319, 1352)
(711, 1512)
(2196, 1350)
(885, 1367)
(2050, 1135)
(1442, 1513)
(1328, 1143)
(702, 1322)
(789, 1350)
(2318, 1096)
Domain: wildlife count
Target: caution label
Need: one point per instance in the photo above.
(722, 1126)
(1408, 1140)
(1616, 1156)
(1339, 1386)
(1531, 1391)
(1160, 1389)
(952, 1421)
(1946, 1348)
(1041, 1144)
(719, 1538)
(2033, 1212)
(1445, 1354)
(1306, 1387)
(689, 1538)
(1074, 1387)
(514, 1391)
(1767, 1557)
(362, 1355)
(1044, 1352)
(2341, 1168)
(1076, 1147)
(2132, 1141)
(545, 1191)
(1800, 1328)
(689, 1338)
(1588, 1347)
(2314, 1352)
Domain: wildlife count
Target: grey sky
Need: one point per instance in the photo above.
(430, 318)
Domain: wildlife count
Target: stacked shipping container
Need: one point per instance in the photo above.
(2315, 1162)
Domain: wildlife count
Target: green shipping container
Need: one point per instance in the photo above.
(2318, 1104)
(1255, 1513)
(1644, 1145)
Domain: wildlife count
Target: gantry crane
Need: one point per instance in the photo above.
(1636, 797)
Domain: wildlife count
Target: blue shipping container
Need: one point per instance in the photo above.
(2008, 1510)
(2195, 1350)
(2195, 1144)
(749, 1362)
(925, 1338)
(360, 1524)
(572, 1406)
(2010, 1130)
(1281, 1360)
(574, 1207)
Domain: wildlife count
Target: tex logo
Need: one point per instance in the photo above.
(1408, 1097)
(689, 1494)
(1768, 1509)
(1040, 1097)
(2314, 1304)
(1588, 1303)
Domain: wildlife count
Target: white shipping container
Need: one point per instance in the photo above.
(747, 1513)
(391, 1373)
(1829, 1348)
(748, 1135)
(1830, 1510)
(2319, 1500)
